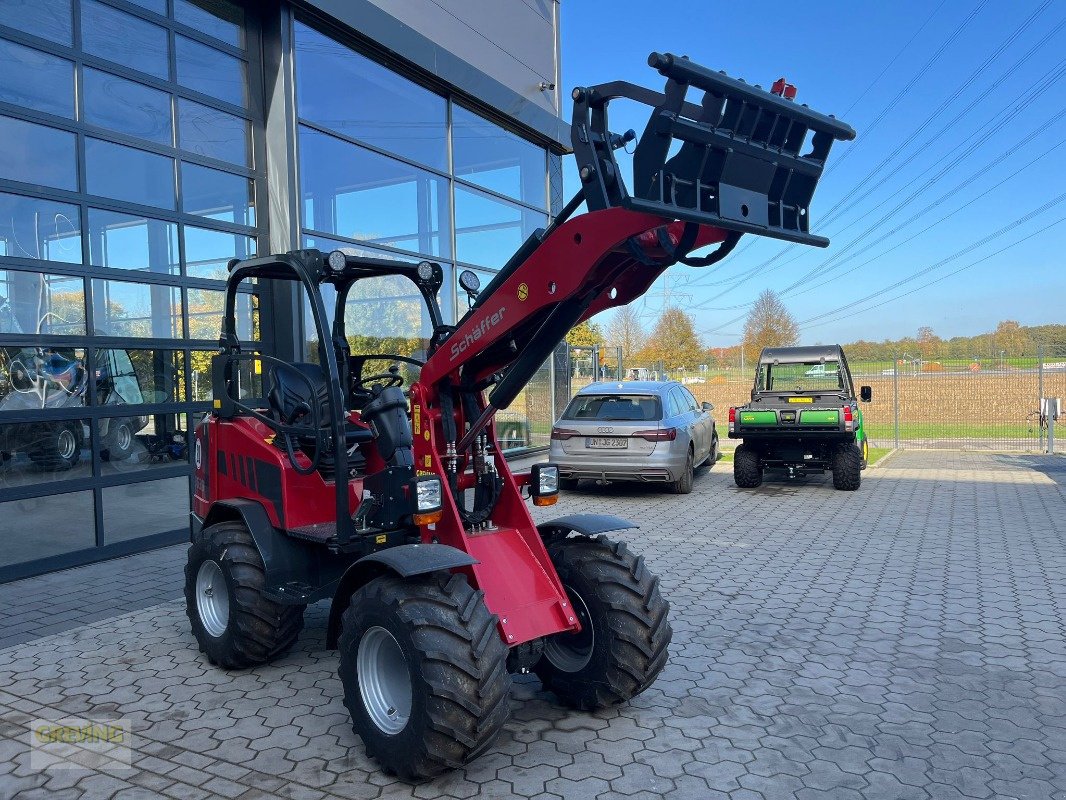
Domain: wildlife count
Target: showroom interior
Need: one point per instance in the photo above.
(148, 143)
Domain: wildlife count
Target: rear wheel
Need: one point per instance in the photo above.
(234, 623)
(847, 467)
(683, 485)
(625, 630)
(56, 447)
(120, 441)
(747, 471)
(424, 673)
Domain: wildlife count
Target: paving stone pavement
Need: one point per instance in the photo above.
(905, 641)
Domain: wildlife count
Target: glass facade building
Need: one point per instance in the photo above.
(143, 144)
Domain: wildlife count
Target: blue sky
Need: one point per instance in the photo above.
(869, 63)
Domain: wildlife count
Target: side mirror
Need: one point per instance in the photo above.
(708, 406)
(866, 394)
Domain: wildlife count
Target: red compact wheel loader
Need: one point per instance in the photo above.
(394, 500)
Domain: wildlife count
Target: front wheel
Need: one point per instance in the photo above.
(424, 673)
(56, 447)
(234, 623)
(625, 630)
(120, 442)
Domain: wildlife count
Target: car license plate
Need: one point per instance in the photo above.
(607, 443)
(801, 399)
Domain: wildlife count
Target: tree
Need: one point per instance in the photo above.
(1011, 337)
(625, 331)
(585, 334)
(769, 325)
(673, 342)
(928, 343)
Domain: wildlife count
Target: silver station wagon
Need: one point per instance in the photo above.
(634, 431)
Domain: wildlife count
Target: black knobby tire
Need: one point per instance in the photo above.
(747, 471)
(683, 485)
(847, 467)
(56, 446)
(457, 666)
(120, 441)
(625, 637)
(257, 629)
(865, 453)
(568, 484)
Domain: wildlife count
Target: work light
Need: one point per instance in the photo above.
(429, 497)
(544, 484)
(336, 261)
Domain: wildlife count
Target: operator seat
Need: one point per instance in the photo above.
(297, 388)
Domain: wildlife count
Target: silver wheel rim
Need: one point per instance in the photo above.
(124, 438)
(212, 598)
(66, 445)
(384, 680)
(571, 652)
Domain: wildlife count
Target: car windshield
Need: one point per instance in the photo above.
(807, 376)
(615, 407)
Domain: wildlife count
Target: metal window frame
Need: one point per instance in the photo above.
(252, 56)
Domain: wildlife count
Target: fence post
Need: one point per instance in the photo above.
(895, 398)
(1040, 391)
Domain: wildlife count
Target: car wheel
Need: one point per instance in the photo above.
(847, 468)
(716, 450)
(683, 485)
(747, 471)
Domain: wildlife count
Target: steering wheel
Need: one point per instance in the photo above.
(386, 379)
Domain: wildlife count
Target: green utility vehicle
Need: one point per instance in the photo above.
(803, 417)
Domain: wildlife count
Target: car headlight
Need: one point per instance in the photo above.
(544, 484)
(428, 495)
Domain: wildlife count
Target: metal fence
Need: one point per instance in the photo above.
(971, 404)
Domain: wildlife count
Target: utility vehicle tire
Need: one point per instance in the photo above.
(56, 446)
(847, 467)
(747, 471)
(865, 453)
(625, 636)
(568, 484)
(120, 441)
(424, 673)
(683, 485)
(234, 623)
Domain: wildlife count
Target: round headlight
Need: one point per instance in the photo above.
(336, 261)
(425, 271)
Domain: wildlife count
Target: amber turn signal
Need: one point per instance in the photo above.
(427, 519)
(545, 500)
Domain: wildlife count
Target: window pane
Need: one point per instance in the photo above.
(136, 309)
(37, 378)
(49, 19)
(41, 452)
(126, 106)
(158, 6)
(114, 170)
(210, 71)
(136, 510)
(137, 442)
(487, 230)
(37, 154)
(123, 38)
(213, 17)
(207, 252)
(213, 133)
(379, 107)
(353, 192)
(32, 79)
(249, 381)
(488, 155)
(205, 315)
(124, 241)
(34, 302)
(28, 528)
(42, 229)
(217, 194)
(128, 376)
